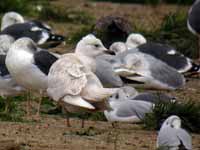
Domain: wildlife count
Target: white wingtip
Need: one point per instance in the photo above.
(123, 71)
(78, 101)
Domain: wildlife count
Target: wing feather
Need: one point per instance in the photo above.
(66, 76)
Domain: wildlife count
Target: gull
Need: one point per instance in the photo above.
(14, 25)
(11, 18)
(132, 94)
(123, 109)
(8, 86)
(29, 66)
(172, 137)
(128, 105)
(193, 21)
(72, 82)
(165, 53)
(145, 69)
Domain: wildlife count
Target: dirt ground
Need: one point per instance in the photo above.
(52, 132)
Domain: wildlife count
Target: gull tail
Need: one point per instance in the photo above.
(78, 101)
(100, 94)
(194, 70)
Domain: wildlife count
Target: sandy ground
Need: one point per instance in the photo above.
(53, 134)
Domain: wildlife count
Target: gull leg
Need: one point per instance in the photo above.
(68, 121)
(28, 103)
(7, 105)
(82, 123)
(67, 117)
(37, 116)
(114, 125)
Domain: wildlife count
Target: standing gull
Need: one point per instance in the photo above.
(40, 33)
(71, 79)
(172, 137)
(8, 86)
(29, 65)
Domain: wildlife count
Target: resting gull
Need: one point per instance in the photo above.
(123, 109)
(11, 18)
(71, 80)
(14, 25)
(29, 66)
(152, 97)
(145, 69)
(172, 137)
(165, 53)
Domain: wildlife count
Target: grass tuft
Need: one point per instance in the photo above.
(14, 112)
(174, 31)
(65, 15)
(152, 2)
(189, 112)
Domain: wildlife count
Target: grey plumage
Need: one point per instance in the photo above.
(149, 70)
(154, 97)
(124, 109)
(168, 55)
(33, 31)
(172, 136)
(105, 72)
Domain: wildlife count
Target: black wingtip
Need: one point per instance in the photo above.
(56, 38)
(195, 68)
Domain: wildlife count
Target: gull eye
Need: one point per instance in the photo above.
(96, 45)
(117, 96)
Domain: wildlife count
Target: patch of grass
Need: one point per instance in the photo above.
(174, 32)
(21, 6)
(25, 7)
(152, 2)
(14, 113)
(76, 36)
(47, 106)
(189, 112)
(65, 15)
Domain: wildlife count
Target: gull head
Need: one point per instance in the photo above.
(134, 40)
(90, 46)
(24, 44)
(173, 122)
(118, 47)
(11, 18)
(130, 64)
(124, 93)
(132, 61)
